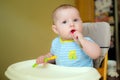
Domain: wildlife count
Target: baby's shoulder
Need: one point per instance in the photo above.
(55, 40)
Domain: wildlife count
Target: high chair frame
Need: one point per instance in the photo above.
(103, 69)
(100, 33)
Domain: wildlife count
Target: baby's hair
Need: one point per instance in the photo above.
(63, 6)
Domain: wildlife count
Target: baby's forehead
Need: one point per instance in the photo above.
(62, 10)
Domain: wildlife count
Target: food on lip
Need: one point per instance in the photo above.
(73, 30)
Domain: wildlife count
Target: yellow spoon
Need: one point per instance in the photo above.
(45, 60)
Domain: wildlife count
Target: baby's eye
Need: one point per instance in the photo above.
(64, 22)
(75, 20)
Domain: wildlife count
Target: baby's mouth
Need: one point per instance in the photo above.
(72, 31)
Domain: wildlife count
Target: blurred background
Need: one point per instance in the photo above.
(25, 28)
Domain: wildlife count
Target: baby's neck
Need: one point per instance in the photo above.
(66, 40)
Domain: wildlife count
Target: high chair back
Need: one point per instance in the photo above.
(100, 33)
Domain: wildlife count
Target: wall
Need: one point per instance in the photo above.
(25, 30)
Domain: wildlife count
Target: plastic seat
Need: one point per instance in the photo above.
(100, 33)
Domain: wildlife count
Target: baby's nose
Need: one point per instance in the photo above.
(71, 24)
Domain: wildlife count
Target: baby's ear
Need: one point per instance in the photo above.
(54, 28)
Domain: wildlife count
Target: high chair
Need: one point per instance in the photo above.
(100, 33)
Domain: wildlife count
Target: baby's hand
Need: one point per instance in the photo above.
(40, 59)
(76, 35)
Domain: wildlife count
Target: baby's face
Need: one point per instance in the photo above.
(67, 20)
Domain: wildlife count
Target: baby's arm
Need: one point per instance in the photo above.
(91, 48)
(41, 59)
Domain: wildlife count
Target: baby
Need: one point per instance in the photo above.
(71, 48)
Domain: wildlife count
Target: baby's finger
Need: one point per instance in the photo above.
(40, 60)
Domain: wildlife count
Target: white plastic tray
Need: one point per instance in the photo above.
(25, 71)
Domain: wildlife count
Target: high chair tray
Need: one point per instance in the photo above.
(24, 71)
